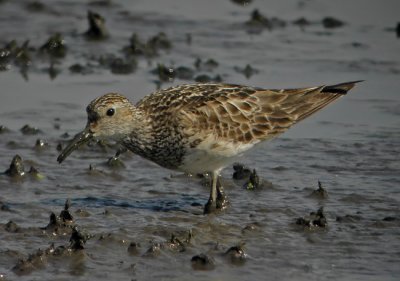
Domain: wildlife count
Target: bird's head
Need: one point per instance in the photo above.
(110, 116)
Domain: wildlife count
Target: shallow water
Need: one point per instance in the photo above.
(352, 146)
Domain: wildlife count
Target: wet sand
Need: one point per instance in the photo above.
(141, 222)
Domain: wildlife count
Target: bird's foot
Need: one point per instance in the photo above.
(222, 200)
(221, 203)
(120, 151)
(210, 207)
(217, 201)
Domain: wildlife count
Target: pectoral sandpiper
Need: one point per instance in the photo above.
(201, 128)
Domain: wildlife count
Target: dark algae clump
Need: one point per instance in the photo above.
(202, 262)
(259, 22)
(11, 227)
(16, 168)
(97, 26)
(240, 172)
(253, 182)
(236, 255)
(29, 130)
(314, 220)
(244, 174)
(247, 71)
(78, 239)
(331, 22)
(65, 214)
(320, 193)
(55, 46)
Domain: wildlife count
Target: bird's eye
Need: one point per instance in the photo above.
(110, 111)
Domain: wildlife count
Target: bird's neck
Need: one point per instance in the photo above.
(139, 139)
(150, 138)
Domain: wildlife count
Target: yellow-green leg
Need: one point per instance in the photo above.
(211, 205)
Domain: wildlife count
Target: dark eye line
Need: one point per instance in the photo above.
(110, 111)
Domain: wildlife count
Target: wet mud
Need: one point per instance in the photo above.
(321, 202)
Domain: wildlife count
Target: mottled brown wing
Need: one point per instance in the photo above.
(247, 115)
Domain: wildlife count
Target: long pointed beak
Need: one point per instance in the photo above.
(81, 138)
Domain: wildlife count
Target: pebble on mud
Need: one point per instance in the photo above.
(34, 261)
(40, 143)
(202, 262)
(38, 259)
(175, 244)
(54, 223)
(247, 71)
(55, 46)
(77, 68)
(65, 135)
(150, 48)
(330, 22)
(4, 207)
(16, 168)
(78, 239)
(59, 147)
(97, 26)
(253, 182)
(11, 227)
(82, 213)
(208, 65)
(258, 21)
(302, 22)
(320, 193)
(236, 255)
(4, 129)
(61, 224)
(65, 214)
(123, 66)
(251, 227)
(115, 163)
(315, 219)
(118, 65)
(134, 249)
(165, 73)
(34, 172)
(19, 55)
(137, 47)
(153, 251)
(240, 172)
(159, 41)
(28, 130)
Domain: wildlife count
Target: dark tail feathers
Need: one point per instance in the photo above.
(341, 88)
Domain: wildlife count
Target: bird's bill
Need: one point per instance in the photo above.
(81, 138)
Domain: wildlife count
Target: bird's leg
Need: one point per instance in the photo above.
(121, 149)
(222, 200)
(211, 203)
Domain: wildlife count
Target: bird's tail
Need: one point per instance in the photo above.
(341, 88)
(320, 97)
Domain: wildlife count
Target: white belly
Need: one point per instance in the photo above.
(212, 155)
